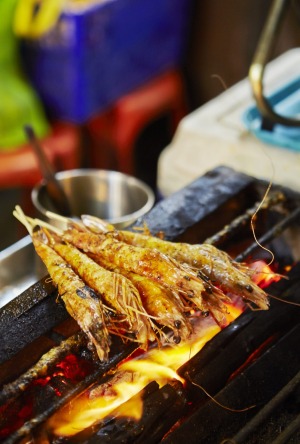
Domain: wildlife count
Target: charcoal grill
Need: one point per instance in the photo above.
(251, 368)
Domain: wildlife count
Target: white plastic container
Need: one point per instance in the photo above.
(215, 135)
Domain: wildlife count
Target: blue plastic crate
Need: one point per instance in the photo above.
(93, 57)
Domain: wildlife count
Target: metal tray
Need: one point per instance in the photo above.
(20, 267)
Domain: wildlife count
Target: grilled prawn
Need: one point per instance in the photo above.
(163, 307)
(181, 280)
(80, 301)
(212, 263)
(115, 290)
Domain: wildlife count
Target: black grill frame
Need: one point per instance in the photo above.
(188, 215)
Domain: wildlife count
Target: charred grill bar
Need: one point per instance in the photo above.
(263, 360)
(253, 362)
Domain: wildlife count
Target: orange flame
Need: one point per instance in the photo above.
(116, 396)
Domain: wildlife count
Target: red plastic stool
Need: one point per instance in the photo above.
(20, 168)
(115, 132)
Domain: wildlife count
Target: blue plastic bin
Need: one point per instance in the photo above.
(93, 57)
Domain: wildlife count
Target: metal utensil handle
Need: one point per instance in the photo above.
(54, 188)
(261, 57)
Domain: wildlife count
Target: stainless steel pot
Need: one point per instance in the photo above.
(116, 197)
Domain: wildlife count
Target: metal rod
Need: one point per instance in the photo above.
(243, 219)
(16, 387)
(265, 412)
(288, 432)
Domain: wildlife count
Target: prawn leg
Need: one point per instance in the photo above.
(163, 307)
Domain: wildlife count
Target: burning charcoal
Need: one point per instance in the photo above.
(212, 348)
(244, 348)
(222, 417)
(161, 409)
(41, 368)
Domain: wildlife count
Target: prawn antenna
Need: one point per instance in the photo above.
(221, 80)
(218, 403)
(252, 222)
(284, 300)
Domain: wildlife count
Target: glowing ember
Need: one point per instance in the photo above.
(233, 311)
(69, 370)
(264, 275)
